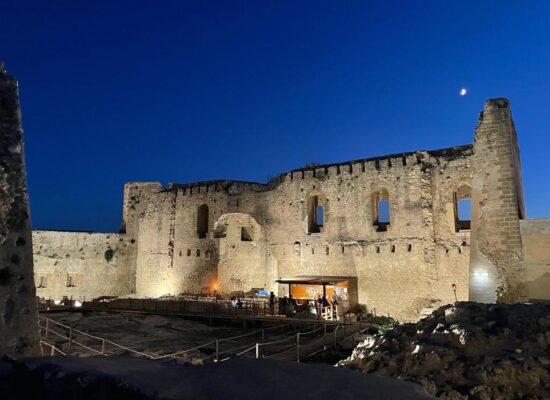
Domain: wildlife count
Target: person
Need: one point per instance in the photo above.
(292, 306)
(284, 305)
(335, 299)
(239, 303)
(272, 303)
(234, 302)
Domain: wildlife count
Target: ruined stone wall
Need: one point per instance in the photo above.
(496, 271)
(136, 198)
(535, 239)
(229, 236)
(82, 265)
(172, 258)
(18, 314)
(242, 254)
(398, 269)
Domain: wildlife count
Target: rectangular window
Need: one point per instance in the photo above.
(384, 211)
(464, 209)
(245, 235)
(315, 215)
(320, 216)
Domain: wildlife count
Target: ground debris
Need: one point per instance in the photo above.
(467, 351)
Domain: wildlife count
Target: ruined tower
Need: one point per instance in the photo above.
(497, 207)
(18, 315)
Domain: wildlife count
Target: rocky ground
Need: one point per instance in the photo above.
(467, 351)
(152, 334)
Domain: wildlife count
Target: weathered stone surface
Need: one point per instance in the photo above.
(82, 265)
(496, 270)
(18, 314)
(467, 351)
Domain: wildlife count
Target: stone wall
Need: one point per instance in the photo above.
(496, 271)
(18, 315)
(82, 265)
(535, 238)
(229, 236)
(406, 269)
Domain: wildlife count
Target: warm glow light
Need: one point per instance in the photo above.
(77, 303)
(57, 302)
(481, 274)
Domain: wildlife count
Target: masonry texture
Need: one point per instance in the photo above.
(390, 223)
(18, 314)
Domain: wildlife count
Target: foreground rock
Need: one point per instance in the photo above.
(124, 378)
(467, 351)
(18, 314)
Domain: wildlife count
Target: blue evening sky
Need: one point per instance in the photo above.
(178, 91)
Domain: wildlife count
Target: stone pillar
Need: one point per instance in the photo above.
(497, 206)
(19, 335)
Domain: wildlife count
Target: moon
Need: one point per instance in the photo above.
(463, 92)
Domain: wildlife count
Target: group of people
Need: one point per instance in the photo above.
(236, 303)
(288, 305)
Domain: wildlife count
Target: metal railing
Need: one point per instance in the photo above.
(257, 308)
(279, 344)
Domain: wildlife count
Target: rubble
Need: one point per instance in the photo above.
(467, 351)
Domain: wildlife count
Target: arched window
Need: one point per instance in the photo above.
(202, 221)
(381, 210)
(462, 199)
(315, 215)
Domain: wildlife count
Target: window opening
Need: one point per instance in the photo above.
(202, 221)
(462, 208)
(381, 211)
(245, 235)
(315, 215)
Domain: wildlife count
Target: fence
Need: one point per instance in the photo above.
(256, 308)
(279, 345)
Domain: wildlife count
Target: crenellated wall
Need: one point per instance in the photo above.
(403, 270)
(229, 236)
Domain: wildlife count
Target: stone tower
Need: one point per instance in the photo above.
(497, 207)
(19, 334)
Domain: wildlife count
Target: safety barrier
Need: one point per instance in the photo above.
(257, 308)
(69, 334)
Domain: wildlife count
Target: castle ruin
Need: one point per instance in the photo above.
(391, 226)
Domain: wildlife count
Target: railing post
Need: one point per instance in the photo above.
(103, 346)
(52, 353)
(298, 347)
(217, 358)
(324, 336)
(257, 350)
(70, 341)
